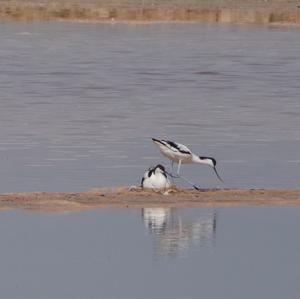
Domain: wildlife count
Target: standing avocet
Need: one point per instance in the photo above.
(180, 154)
(156, 178)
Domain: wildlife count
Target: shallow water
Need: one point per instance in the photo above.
(79, 103)
(250, 252)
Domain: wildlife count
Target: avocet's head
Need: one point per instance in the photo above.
(159, 169)
(211, 162)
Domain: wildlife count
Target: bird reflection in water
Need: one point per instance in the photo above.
(174, 235)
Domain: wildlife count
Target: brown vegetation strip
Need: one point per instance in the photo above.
(220, 11)
(122, 197)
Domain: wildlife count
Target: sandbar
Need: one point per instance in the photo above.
(125, 197)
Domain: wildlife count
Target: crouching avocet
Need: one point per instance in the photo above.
(156, 178)
(180, 154)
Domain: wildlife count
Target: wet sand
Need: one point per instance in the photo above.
(123, 197)
(215, 11)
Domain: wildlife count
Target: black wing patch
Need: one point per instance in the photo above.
(175, 145)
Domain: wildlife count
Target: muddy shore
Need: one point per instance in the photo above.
(122, 197)
(214, 11)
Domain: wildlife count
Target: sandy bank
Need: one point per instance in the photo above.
(122, 197)
(216, 11)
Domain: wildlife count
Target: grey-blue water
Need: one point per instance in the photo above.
(80, 102)
(78, 106)
(230, 253)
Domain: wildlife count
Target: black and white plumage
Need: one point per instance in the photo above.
(181, 154)
(156, 178)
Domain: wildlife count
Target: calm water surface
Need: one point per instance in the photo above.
(232, 253)
(79, 103)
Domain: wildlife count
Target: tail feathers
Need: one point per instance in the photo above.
(157, 141)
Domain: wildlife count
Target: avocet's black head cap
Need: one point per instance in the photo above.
(160, 167)
(213, 160)
(214, 163)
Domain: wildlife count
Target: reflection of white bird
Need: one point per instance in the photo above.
(156, 219)
(174, 234)
(156, 178)
(180, 154)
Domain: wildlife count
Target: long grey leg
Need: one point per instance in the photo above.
(172, 170)
(172, 165)
(177, 176)
(188, 181)
(178, 168)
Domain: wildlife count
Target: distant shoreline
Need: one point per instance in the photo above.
(222, 11)
(122, 197)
